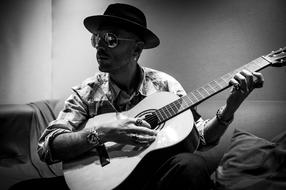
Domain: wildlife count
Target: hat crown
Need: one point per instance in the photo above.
(126, 12)
(126, 17)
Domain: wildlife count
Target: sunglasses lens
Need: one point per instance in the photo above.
(111, 40)
(94, 40)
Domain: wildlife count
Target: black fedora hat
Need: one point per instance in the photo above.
(127, 17)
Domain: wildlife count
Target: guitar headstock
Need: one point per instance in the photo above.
(277, 58)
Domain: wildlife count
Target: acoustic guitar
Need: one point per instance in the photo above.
(166, 113)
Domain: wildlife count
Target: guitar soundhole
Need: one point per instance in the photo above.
(151, 118)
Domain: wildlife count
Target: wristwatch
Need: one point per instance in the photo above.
(93, 138)
(220, 118)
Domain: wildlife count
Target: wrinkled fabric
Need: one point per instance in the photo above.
(253, 163)
(98, 95)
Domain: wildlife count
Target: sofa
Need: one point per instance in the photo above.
(22, 124)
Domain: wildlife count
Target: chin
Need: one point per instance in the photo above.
(105, 69)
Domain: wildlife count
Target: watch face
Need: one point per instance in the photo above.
(92, 138)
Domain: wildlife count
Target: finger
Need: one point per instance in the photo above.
(141, 123)
(145, 138)
(234, 82)
(142, 139)
(259, 80)
(141, 130)
(146, 124)
(235, 85)
(249, 79)
(242, 82)
(145, 129)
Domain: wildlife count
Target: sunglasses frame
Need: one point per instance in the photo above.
(95, 38)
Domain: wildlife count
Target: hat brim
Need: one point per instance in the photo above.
(92, 24)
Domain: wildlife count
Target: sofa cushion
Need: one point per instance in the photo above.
(253, 163)
(21, 127)
(14, 133)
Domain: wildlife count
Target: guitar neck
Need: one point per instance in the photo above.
(208, 90)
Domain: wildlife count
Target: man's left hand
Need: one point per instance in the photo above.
(243, 84)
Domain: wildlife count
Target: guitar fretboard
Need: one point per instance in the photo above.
(198, 95)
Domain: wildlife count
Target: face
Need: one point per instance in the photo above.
(120, 57)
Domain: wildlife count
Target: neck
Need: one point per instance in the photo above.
(127, 78)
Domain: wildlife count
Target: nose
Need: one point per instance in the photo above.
(98, 42)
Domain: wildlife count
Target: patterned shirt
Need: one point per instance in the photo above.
(98, 95)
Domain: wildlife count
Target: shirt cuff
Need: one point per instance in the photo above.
(45, 150)
(201, 125)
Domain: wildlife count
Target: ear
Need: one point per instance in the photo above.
(138, 47)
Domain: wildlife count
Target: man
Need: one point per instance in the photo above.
(119, 36)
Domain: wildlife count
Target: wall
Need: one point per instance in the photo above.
(25, 50)
(45, 49)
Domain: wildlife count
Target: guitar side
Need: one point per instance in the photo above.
(86, 173)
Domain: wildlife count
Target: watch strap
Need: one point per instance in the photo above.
(93, 138)
(220, 118)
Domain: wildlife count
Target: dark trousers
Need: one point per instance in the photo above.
(42, 184)
(184, 171)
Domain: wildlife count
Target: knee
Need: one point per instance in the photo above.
(191, 164)
(191, 171)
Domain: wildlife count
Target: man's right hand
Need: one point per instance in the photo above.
(127, 131)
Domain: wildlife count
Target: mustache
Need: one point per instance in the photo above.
(102, 53)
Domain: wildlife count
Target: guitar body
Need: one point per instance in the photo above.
(86, 172)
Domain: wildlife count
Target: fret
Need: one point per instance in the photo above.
(188, 100)
(159, 114)
(195, 97)
(182, 103)
(197, 94)
(222, 82)
(203, 91)
(227, 77)
(225, 81)
(167, 111)
(179, 104)
(175, 106)
(257, 62)
(218, 84)
(163, 113)
(201, 96)
(244, 68)
(262, 62)
(172, 108)
(209, 88)
(215, 85)
(192, 97)
(252, 67)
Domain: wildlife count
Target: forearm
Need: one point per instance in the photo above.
(214, 128)
(70, 145)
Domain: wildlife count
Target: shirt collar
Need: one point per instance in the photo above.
(115, 90)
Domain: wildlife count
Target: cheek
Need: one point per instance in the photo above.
(123, 56)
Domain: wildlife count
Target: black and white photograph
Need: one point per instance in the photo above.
(143, 95)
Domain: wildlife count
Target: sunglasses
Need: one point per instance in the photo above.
(111, 40)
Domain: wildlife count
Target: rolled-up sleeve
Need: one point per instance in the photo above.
(70, 119)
